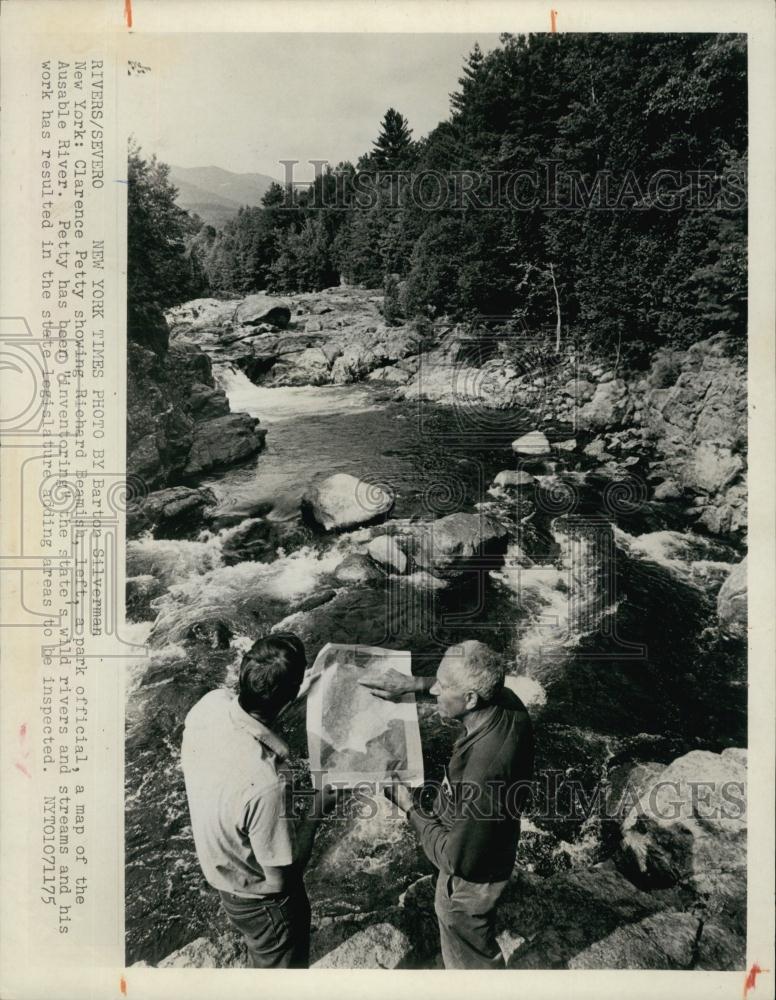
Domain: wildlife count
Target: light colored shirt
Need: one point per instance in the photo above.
(237, 792)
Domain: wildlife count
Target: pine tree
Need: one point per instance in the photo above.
(469, 80)
(393, 146)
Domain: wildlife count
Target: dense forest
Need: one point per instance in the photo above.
(596, 182)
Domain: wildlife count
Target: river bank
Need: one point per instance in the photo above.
(600, 582)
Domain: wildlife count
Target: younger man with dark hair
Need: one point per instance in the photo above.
(249, 845)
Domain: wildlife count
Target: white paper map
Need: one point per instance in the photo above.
(352, 735)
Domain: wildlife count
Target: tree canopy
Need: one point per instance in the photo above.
(600, 178)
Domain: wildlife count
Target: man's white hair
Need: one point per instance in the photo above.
(478, 668)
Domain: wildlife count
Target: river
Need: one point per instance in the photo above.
(608, 632)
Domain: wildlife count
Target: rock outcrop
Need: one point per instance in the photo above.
(178, 422)
(337, 336)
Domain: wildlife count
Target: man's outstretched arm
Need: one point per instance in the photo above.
(392, 684)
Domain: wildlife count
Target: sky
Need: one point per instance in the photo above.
(245, 102)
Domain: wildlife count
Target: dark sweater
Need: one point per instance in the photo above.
(473, 827)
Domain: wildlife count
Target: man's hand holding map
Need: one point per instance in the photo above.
(352, 735)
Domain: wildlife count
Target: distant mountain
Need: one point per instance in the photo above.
(216, 194)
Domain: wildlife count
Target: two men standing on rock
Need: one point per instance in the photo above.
(472, 831)
(254, 852)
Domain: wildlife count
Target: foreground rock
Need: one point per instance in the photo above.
(343, 501)
(689, 830)
(225, 952)
(732, 602)
(588, 918)
(379, 946)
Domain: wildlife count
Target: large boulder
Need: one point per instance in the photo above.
(357, 568)
(667, 940)
(609, 406)
(176, 511)
(386, 550)
(587, 918)
(689, 829)
(732, 602)
(262, 309)
(222, 442)
(453, 544)
(533, 443)
(543, 923)
(343, 501)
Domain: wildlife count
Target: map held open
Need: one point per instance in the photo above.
(352, 735)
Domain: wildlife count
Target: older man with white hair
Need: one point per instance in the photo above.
(472, 830)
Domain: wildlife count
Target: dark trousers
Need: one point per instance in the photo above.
(467, 922)
(276, 929)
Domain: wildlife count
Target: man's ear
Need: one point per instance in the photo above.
(472, 700)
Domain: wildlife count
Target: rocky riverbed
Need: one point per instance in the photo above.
(417, 487)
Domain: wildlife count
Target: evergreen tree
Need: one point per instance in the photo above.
(161, 272)
(393, 146)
